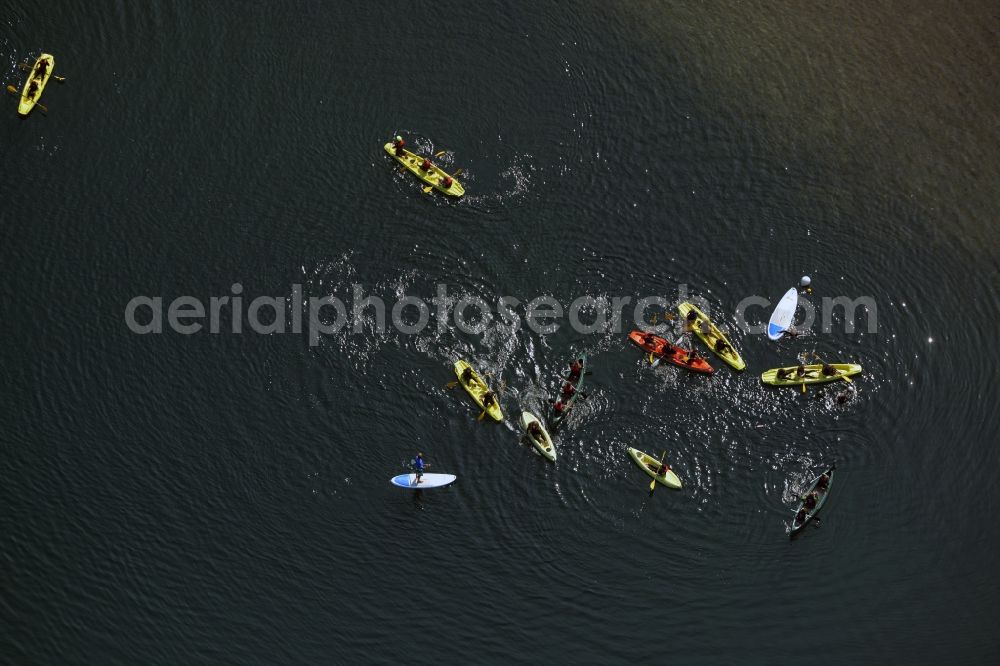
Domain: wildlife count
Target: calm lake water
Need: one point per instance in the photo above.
(173, 499)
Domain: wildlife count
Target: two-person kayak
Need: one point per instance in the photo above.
(477, 388)
(816, 495)
(427, 171)
(652, 466)
(697, 321)
(570, 391)
(37, 79)
(809, 374)
(684, 358)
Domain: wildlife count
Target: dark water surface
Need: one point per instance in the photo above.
(179, 499)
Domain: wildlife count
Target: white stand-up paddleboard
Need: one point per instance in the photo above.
(781, 318)
(426, 481)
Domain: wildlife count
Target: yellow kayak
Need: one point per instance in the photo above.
(813, 374)
(477, 388)
(435, 176)
(28, 103)
(730, 355)
(651, 466)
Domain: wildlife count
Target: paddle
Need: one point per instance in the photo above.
(654, 364)
(652, 484)
(440, 153)
(579, 396)
(844, 377)
(452, 384)
(13, 90)
(27, 68)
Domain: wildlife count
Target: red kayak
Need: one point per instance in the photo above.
(654, 344)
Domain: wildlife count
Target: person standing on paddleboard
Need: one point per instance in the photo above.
(418, 465)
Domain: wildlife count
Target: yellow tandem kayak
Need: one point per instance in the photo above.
(28, 103)
(730, 355)
(813, 374)
(434, 176)
(477, 388)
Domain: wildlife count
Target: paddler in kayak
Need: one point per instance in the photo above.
(425, 165)
(575, 368)
(467, 375)
(809, 501)
(658, 470)
(446, 182)
(398, 144)
(692, 356)
(32, 89)
(721, 347)
(489, 400)
(829, 370)
(782, 373)
(568, 390)
(824, 482)
(43, 65)
(535, 431)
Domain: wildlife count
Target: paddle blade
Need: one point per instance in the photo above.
(481, 415)
(427, 190)
(652, 485)
(451, 385)
(803, 387)
(11, 89)
(439, 153)
(458, 172)
(847, 379)
(651, 358)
